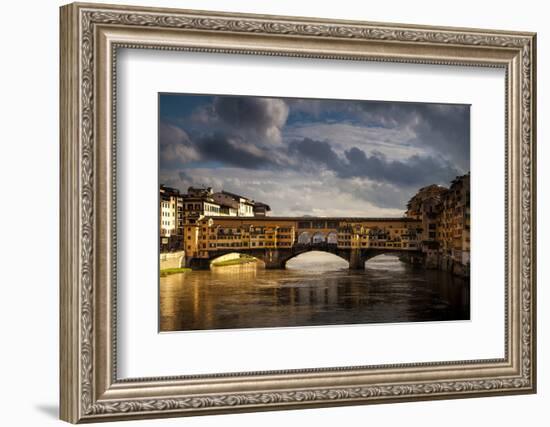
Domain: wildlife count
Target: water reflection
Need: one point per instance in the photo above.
(314, 290)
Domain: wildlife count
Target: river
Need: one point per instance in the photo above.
(315, 289)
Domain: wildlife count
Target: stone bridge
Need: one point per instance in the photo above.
(276, 258)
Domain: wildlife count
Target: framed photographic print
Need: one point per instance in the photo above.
(301, 259)
(264, 212)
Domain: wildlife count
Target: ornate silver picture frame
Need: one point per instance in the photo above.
(91, 390)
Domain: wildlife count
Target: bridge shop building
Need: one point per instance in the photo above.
(276, 240)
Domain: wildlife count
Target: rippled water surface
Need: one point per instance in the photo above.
(315, 289)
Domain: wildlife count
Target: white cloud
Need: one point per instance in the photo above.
(176, 146)
(393, 143)
(291, 193)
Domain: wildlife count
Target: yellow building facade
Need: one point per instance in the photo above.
(445, 216)
(211, 235)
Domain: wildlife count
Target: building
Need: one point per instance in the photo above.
(261, 209)
(199, 202)
(201, 222)
(242, 205)
(181, 214)
(395, 235)
(177, 209)
(425, 205)
(213, 235)
(454, 225)
(416, 204)
(445, 215)
(171, 219)
(203, 202)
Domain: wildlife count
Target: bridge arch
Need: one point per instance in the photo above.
(197, 263)
(276, 258)
(406, 256)
(384, 261)
(235, 258)
(324, 249)
(374, 252)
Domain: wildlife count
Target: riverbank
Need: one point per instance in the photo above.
(168, 271)
(439, 262)
(243, 259)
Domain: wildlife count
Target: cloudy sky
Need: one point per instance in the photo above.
(312, 156)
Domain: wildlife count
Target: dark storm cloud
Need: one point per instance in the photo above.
(242, 132)
(444, 128)
(315, 153)
(248, 131)
(415, 171)
(251, 112)
(257, 120)
(377, 152)
(233, 151)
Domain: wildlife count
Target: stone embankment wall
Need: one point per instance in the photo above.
(172, 260)
(435, 261)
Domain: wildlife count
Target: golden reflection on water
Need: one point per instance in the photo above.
(317, 290)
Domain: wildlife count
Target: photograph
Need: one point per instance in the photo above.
(281, 212)
(266, 210)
